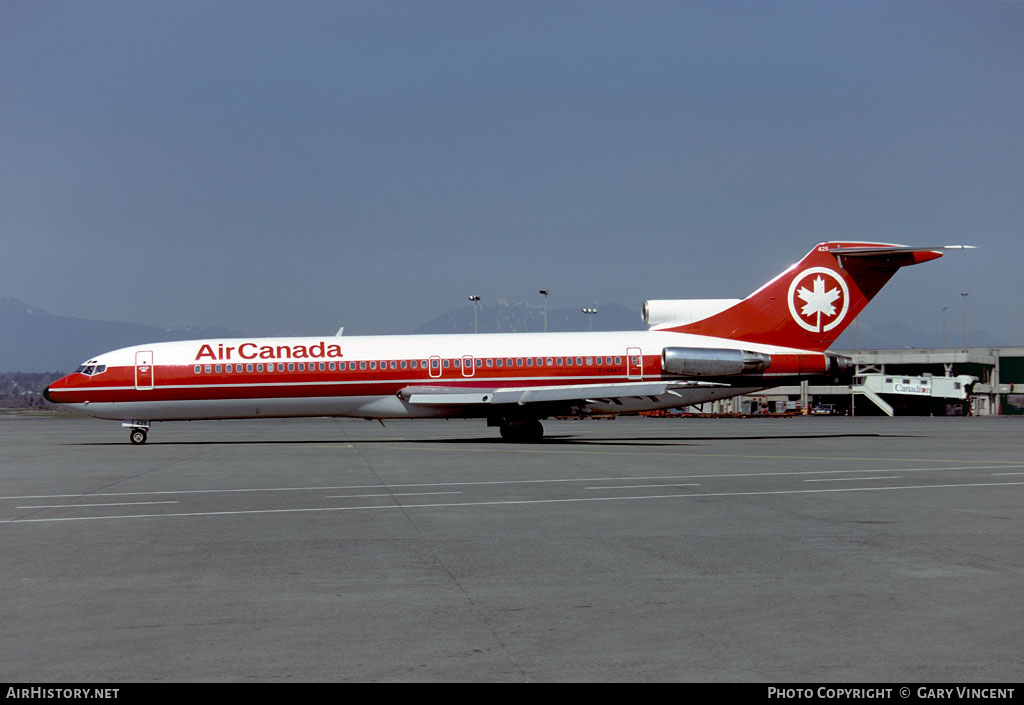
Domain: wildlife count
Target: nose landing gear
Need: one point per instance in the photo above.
(138, 432)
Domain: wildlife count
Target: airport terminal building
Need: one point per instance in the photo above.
(910, 382)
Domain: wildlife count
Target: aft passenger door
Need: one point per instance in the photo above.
(144, 369)
(634, 363)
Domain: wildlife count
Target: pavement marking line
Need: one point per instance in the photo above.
(386, 494)
(449, 505)
(996, 474)
(687, 454)
(632, 487)
(108, 504)
(502, 482)
(848, 479)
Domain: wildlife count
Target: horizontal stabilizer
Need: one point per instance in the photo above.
(892, 250)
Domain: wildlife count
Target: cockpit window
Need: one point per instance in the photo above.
(91, 369)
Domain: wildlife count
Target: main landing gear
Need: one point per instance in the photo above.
(521, 430)
(138, 432)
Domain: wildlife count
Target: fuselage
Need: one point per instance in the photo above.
(362, 376)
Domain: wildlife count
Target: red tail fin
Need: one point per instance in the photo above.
(812, 302)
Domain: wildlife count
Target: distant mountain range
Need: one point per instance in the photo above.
(899, 336)
(32, 340)
(514, 316)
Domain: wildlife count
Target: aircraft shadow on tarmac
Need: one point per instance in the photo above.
(554, 440)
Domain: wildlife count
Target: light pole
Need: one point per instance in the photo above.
(590, 321)
(944, 309)
(476, 300)
(964, 295)
(544, 293)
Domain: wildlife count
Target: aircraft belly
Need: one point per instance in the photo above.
(361, 406)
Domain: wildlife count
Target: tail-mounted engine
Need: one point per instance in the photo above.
(712, 362)
(838, 365)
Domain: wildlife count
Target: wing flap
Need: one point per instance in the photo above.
(458, 396)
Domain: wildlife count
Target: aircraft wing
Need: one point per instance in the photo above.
(521, 396)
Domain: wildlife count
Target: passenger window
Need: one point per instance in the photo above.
(590, 361)
(529, 362)
(404, 364)
(394, 365)
(490, 362)
(446, 363)
(558, 361)
(198, 368)
(248, 368)
(208, 369)
(550, 362)
(291, 366)
(579, 360)
(519, 362)
(362, 364)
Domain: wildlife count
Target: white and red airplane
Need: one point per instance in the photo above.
(696, 350)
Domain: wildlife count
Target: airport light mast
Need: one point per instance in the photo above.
(476, 300)
(590, 321)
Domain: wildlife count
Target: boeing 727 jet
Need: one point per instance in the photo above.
(695, 351)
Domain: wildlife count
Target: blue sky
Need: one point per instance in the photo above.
(286, 168)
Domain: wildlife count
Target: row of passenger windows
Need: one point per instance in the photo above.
(432, 363)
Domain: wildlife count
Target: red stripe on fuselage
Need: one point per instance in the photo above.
(182, 383)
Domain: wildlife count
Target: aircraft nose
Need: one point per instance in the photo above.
(46, 394)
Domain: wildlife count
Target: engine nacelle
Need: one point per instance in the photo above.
(712, 362)
(838, 364)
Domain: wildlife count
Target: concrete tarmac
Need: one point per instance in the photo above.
(765, 550)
